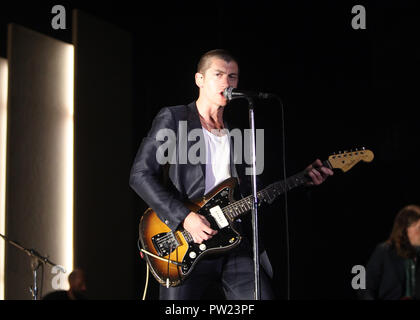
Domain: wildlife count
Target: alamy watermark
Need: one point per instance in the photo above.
(358, 282)
(59, 281)
(190, 147)
(59, 20)
(359, 20)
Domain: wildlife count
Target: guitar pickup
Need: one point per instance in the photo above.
(165, 243)
(218, 215)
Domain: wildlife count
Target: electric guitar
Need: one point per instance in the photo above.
(172, 255)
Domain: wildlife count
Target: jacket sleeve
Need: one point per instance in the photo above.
(146, 170)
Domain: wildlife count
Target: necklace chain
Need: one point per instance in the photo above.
(209, 125)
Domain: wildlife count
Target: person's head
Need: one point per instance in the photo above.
(77, 281)
(405, 234)
(216, 70)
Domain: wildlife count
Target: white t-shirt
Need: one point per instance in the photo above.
(217, 159)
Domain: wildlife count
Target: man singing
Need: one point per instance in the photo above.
(234, 270)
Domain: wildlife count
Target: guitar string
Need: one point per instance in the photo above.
(245, 201)
(245, 204)
(231, 209)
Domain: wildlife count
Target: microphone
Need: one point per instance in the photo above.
(232, 93)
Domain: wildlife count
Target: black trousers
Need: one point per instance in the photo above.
(233, 272)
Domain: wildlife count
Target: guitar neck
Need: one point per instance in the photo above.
(268, 194)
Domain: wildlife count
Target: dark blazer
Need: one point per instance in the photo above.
(385, 275)
(186, 180)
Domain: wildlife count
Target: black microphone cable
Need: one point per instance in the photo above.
(286, 210)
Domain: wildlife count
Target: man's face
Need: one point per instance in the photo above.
(79, 283)
(217, 78)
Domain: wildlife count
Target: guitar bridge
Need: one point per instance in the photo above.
(165, 243)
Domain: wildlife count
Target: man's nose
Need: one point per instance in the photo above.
(226, 82)
(232, 82)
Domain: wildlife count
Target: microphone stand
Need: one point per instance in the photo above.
(36, 261)
(257, 289)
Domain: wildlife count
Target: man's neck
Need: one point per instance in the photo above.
(210, 112)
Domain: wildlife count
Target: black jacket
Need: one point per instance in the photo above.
(385, 275)
(186, 179)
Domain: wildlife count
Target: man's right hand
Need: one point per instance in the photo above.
(198, 227)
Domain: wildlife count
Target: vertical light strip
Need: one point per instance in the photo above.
(68, 160)
(3, 147)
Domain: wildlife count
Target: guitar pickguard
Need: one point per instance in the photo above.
(226, 237)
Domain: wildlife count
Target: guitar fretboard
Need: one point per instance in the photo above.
(268, 194)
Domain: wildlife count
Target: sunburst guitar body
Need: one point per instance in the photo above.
(175, 253)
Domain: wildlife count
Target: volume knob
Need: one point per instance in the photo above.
(192, 255)
(202, 247)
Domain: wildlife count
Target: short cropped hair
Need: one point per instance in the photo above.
(205, 60)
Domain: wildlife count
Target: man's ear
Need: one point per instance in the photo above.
(199, 79)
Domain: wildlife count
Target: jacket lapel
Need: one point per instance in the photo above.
(193, 121)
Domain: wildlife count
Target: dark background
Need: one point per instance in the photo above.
(341, 88)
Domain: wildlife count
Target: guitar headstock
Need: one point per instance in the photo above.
(347, 159)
